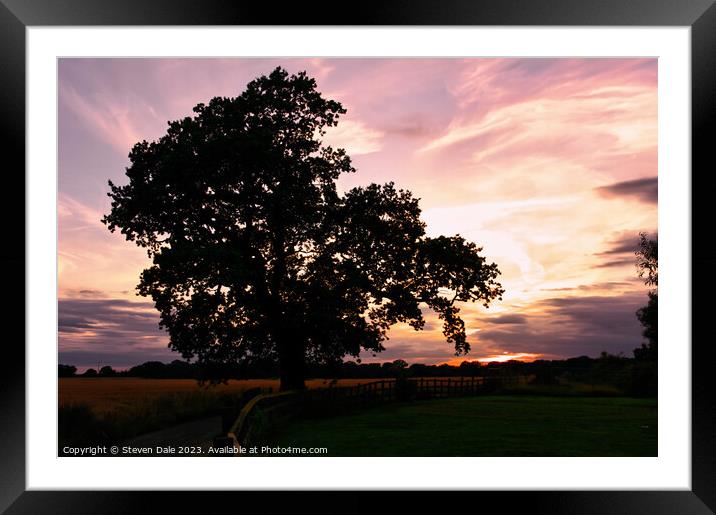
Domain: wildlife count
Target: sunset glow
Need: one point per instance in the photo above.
(495, 358)
(501, 358)
(550, 165)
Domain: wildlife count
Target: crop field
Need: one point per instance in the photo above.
(105, 394)
(108, 409)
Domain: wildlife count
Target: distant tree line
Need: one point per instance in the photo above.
(623, 372)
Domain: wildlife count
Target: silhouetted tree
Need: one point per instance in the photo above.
(90, 372)
(400, 364)
(648, 268)
(180, 369)
(470, 367)
(648, 259)
(152, 369)
(107, 371)
(256, 254)
(66, 371)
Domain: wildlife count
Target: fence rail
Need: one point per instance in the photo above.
(386, 390)
(267, 412)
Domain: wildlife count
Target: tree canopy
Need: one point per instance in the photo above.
(648, 259)
(256, 255)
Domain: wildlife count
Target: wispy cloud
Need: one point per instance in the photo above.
(645, 190)
(355, 137)
(508, 319)
(112, 122)
(90, 257)
(114, 331)
(569, 326)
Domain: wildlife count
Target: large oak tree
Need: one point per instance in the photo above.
(257, 256)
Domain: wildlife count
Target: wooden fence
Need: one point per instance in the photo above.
(407, 389)
(431, 387)
(268, 412)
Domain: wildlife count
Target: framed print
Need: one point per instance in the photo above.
(413, 249)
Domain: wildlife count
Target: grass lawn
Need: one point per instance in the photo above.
(487, 426)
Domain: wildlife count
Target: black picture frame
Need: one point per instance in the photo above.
(17, 15)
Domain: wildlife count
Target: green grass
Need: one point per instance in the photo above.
(486, 426)
(573, 389)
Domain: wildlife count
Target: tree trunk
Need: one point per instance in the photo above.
(291, 364)
(291, 349)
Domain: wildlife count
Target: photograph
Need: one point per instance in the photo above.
(408, 251)
(357, 257)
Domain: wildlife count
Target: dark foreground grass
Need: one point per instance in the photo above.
(82, 425)
(486, 426)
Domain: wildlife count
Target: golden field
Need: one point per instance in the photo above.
(104, 394)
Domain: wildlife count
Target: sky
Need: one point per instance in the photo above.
(550, 165)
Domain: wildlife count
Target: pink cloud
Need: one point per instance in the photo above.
(113, 123)
(355, 137)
